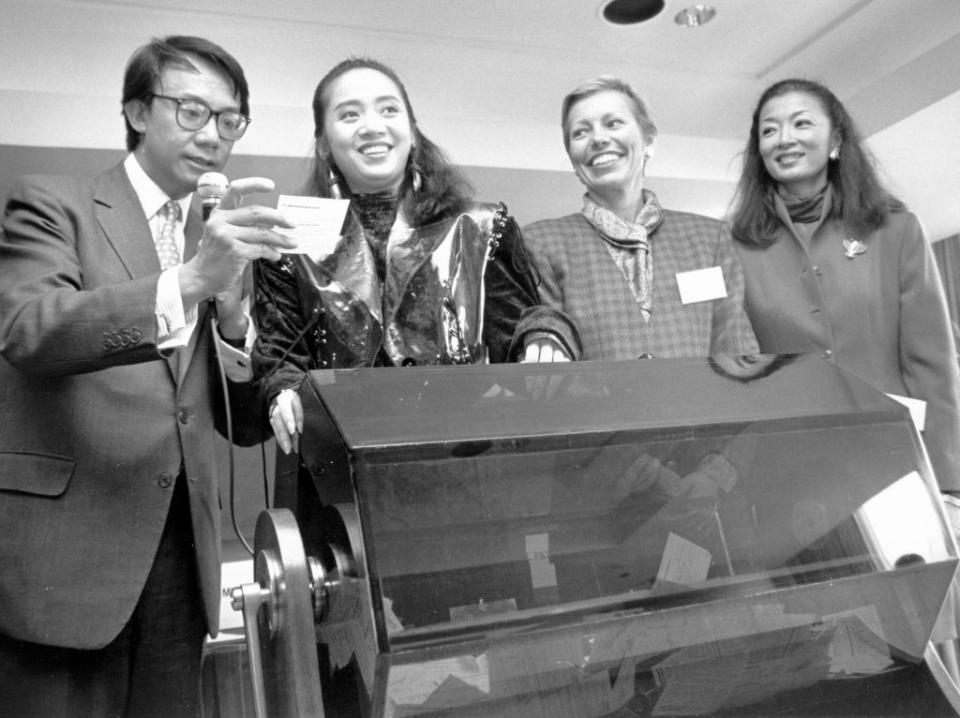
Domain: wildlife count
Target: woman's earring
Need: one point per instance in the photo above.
(835, 153)
(417, 178)
(333, 184)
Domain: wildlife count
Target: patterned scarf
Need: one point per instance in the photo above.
(629, 244)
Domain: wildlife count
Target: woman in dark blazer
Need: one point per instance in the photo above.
(637, 279)
(835, 264)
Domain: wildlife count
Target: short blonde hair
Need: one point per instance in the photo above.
(601, 83)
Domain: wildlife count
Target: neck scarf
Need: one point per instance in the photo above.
(629, 244)
(804, 210)
(376, 214)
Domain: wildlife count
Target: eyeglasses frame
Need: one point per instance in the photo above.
(216, 115)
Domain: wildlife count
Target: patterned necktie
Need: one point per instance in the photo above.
(166, 241)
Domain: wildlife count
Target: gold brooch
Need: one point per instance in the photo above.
(853, 247)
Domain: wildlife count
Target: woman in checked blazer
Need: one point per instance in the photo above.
(637, 279)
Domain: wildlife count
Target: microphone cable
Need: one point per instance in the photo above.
(214, 334)
(227, 410)
(211, 186)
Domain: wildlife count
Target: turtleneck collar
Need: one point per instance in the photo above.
(804, 210)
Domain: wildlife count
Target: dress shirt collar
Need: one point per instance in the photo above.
(151, 197)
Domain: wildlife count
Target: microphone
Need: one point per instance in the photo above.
(211, 186)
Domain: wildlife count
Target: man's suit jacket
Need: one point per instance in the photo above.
(579, 277)
(95, 423)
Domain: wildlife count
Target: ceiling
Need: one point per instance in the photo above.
(487, 78)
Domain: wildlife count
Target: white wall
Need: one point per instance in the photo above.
(61, 67)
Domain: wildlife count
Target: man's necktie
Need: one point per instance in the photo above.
(166, 240)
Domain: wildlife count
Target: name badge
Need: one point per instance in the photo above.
(701, 285)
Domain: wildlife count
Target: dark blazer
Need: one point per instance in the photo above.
(880, 315)
(579, 277)
(94, 423)
(458, 290)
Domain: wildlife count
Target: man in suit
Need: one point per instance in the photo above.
(109, 395)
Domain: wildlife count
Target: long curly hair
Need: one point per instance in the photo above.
(859, 199)
(443, 191)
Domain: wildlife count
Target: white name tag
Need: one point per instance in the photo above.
(701, 285)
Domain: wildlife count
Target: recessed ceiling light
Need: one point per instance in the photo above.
(630, 12)
(695, 15)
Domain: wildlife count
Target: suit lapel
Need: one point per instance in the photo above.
(189, 352)
(407, 251)
(192, 232)
(124, 225)
(127, 230)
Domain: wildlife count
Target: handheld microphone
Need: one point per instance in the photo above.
(211, 186)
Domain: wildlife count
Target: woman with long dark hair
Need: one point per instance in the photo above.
(422, 273)
(835, 264)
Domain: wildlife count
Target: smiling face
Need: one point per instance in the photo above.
(171, 156)
(795, 138)
(367, 131)
(606, 145)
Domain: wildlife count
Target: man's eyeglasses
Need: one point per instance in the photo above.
(194, 114)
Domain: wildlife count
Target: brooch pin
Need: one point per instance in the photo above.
(853, 248)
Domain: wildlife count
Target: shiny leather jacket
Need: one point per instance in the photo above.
(456, 291)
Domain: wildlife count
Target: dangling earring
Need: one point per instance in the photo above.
(835, 153)
(416, 181)
(333, 184)
(416, 176)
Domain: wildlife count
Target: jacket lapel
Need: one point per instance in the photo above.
(127, 230)
(124, 225)
(192, 232)
(407, 251)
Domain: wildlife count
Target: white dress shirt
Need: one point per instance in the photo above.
(176, 323)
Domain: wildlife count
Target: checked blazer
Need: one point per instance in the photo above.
(579, 277)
